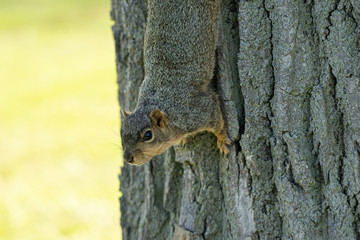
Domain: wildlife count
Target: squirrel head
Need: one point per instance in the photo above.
(144, 134)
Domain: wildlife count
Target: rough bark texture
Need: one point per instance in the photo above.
(288, 74)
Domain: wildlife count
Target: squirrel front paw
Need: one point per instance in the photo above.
(223, 142)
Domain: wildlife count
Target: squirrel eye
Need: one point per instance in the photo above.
(147, 135)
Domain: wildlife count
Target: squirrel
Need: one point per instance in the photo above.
(175, 100)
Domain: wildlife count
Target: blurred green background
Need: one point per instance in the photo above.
(58, 121)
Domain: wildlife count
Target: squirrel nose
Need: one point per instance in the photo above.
(128, 157)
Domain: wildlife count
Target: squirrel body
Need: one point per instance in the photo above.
(175, 100)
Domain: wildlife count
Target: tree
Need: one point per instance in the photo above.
(289, 77)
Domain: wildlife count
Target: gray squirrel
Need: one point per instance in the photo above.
(175, 99)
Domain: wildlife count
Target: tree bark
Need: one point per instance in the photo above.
(288, 74)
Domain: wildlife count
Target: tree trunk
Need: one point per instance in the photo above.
(289, 79)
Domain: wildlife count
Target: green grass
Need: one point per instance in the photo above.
(58, 121)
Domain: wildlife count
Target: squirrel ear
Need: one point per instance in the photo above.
(158, 118)
(125, 114)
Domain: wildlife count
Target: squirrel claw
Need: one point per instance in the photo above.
(223, 142)
(223, 148)
(183, 141)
